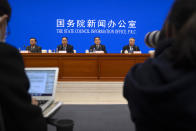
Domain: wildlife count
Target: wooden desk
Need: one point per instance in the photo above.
(86, 67)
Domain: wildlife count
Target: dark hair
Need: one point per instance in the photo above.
(5, 8)
(33, 38)
(64, 37)
(183, 49)
(131, 38)
(97, 37)
(182, 28)
(182, 10)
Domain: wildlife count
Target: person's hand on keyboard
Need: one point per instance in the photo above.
(34, 102)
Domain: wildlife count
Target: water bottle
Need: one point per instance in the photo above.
(94, 50)
(131, 50)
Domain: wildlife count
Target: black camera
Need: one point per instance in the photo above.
(152, 38)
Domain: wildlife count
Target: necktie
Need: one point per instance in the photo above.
(97, 46)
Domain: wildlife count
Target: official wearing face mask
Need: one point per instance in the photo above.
(3, 26)
(131, 47)
(34, 48)
(97, 46)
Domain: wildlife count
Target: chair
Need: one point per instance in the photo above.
(61, 125)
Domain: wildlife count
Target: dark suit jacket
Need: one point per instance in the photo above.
(127, 47)
(100, 48)
(19, 113)
(69, 48)
(37, 49)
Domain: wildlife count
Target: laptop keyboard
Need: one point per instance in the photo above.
(41, 102)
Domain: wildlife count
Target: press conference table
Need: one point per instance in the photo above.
(86, 67)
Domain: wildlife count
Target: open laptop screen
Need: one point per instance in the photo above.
(41, 82)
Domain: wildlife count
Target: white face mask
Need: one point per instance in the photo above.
(2, 34)
(2, 40)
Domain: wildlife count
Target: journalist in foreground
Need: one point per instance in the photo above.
(17, 111)
(161, 92)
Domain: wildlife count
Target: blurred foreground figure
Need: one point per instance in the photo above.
(18, 112)
(161, 92)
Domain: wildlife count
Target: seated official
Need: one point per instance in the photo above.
(97, 46)
(131, 47)
(65, 46)
(34, 48)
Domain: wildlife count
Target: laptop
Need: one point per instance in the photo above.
(43, 83)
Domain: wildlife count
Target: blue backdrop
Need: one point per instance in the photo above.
(115, 21)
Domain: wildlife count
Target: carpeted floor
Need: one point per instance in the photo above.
(96, 117)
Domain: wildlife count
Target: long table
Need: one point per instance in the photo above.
(86, 67)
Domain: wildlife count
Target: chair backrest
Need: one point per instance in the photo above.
(2, 125)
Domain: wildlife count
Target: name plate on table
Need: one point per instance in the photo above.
(137, 52)
(49, 51)
(44, 51)
(62, 51)
(24, 51)
(126, 52)
(99, 52)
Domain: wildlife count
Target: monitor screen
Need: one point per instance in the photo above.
(41, 82)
